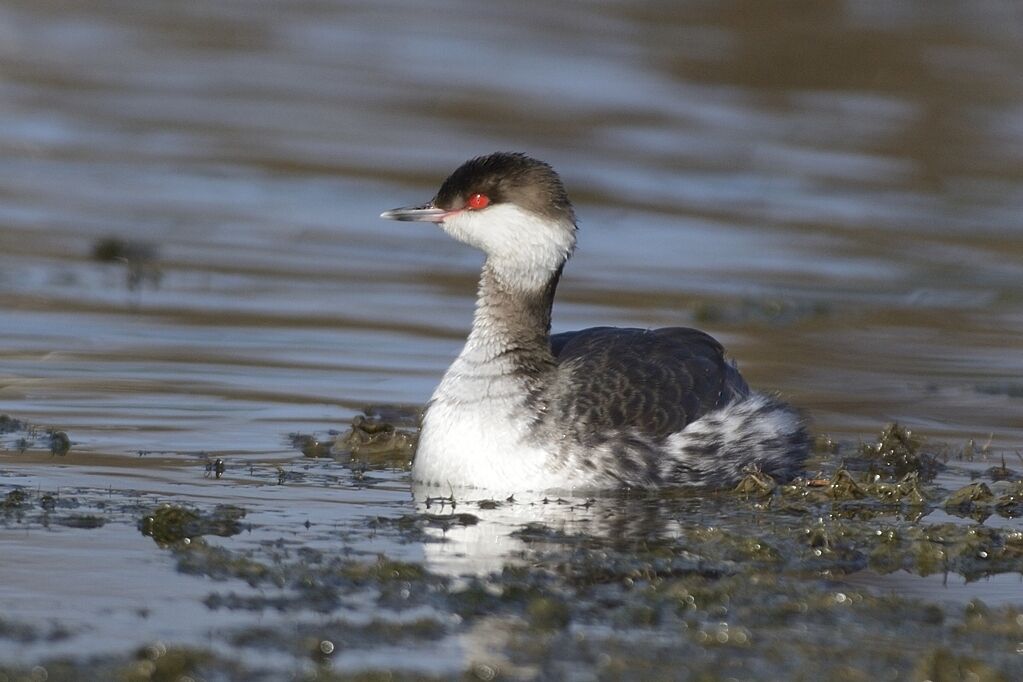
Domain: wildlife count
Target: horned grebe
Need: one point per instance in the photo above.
(522, 410)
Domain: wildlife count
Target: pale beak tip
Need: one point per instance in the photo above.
(423, 214)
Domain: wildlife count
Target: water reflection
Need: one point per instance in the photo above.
(885, 548)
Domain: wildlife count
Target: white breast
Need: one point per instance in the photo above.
(476, 434)
(468, 447)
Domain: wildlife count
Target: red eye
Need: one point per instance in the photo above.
(477, 201)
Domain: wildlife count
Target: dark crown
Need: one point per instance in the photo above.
(507, 177)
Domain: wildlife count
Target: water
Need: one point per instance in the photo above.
(833, 190)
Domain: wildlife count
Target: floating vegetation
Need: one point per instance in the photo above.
(628, 585)
(60, 444)
(756, 484)
(898, 452)
(1002, 473)
(310, 446)
(844, 486)
(16, 499)
(171, 524)
(154, 663)
(372, 443)
(979, 501)
(382, 438)
(548, 613)
(197, 557)
(969, 496)
(29, 436)
(83, 521)
(1009, 502)
(26, 507)
(25, 633)
(941, 665)
(9, 424)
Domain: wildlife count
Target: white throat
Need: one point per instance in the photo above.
(523, 249)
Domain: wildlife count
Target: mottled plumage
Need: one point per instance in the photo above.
(655, 381)
(521, 410)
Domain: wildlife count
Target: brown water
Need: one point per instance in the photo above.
(834, 189)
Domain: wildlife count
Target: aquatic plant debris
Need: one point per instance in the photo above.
(60, 444)
(171, 524)
(380, 439)
(22, 436)
(310, 446)
(899, 452)
(27, 508)
(9, 424)
(767, 581)
(373, 443)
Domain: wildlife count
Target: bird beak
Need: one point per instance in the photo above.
(421, 214)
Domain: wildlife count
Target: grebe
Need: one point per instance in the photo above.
(522, 410)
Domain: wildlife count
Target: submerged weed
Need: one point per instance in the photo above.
(171, 524)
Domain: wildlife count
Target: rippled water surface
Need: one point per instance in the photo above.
(833, 189)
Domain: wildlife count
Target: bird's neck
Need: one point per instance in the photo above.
(512, 322)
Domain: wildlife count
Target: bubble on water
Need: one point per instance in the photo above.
(483, 671)
(155, 650)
